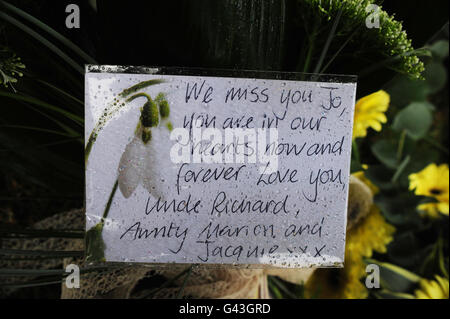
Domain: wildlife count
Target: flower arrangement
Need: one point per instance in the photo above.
(399, 197)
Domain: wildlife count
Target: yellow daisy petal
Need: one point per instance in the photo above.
(432, 181)
(369, 112)
(433, 289)
(373, 233)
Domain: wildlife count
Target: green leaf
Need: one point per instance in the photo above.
(49, 30)
(394, 278)
(42, 40)
(355, 166)
(440, 49)
(27, 284)
(95, 246)
(386, 294)
(386, 153)
(399, 209)
(434, 261)
(380, 176)
(39, 233)
(62, 93)
(420, 158)
(77, 119)
(46, 253)
(31, 272)
(39, 129)
(415, 119)
(435, 77)
(404, 90)
(405, 250)
(274, 290)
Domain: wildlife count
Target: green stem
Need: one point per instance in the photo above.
(140, 85)
(308, 57)
(436, 145)
(89, 145)
(441, 257)
(389, 61)
(400, 169)
(336, 54)
(142, 94)
(328, 42)
(95, 246)
(283, 288)
(310, 51)
(274, 289)
(108, 204)
(401, 145)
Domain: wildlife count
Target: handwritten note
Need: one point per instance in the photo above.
(218, 170)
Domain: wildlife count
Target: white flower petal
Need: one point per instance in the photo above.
(131, 166)
(157, 162)
(152, 176)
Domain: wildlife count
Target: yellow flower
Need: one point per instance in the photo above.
(432, 181)
(433, 289)
(373, 233)
(369, 112)
(360, 175)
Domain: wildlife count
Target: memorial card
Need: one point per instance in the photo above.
(217, 167)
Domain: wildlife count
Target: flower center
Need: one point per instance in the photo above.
(435, 191)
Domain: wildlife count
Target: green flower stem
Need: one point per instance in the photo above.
(441, 257)
(436, 145)
(391, 60)
(400, 169)
(328, 42)
(89, 145)
(283, 288)
(95, 246)
(336, 54)
(141, 94)
(401, 145)
(140, 85)
(274, 289)
(308, 56)
(108, 204)
(310, 51)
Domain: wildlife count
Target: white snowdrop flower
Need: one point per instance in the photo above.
(137, 165)
(139, 161)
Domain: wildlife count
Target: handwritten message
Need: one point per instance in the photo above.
(237, 171)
